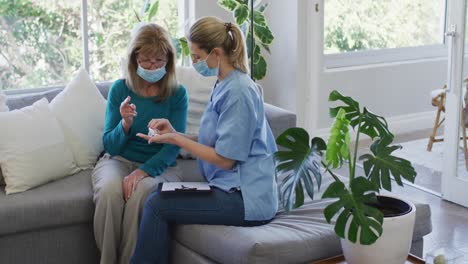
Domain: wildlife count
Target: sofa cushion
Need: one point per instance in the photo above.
(189, 170)
(83, 129)
(301, 236)
(21, 100)
(297, 237)
(22, 156)
(63, 202)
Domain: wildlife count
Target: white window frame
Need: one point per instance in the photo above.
(389, 55)
(369, 57)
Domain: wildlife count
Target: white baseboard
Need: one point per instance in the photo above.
(402, 124)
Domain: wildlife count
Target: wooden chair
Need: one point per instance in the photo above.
(439, 101)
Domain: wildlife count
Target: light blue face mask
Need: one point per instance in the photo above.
(151, 76)
(202, 67)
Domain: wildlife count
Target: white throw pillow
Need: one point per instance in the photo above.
(3, 108)
(33, 150)
(199, 91)
(80, 109)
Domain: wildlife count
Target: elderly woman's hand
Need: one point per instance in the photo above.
(128, 112)
(130, 182)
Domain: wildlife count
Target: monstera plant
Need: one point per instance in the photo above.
(302, 161)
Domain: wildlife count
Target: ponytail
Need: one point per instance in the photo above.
(211, 32)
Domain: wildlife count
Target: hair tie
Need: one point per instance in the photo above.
(228, 26)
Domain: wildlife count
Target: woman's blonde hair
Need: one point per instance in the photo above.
(151, 39)
(211, 32)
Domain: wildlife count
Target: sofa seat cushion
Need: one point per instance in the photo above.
(301, 236)
(297, 237)
(63, 202)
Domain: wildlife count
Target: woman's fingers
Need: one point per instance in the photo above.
(125, 102)
(143, 136)
(128, 113)
(154, 123)
(131, 183)
(124, 188)
(153, 139)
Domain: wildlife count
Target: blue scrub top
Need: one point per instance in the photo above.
(234, 124)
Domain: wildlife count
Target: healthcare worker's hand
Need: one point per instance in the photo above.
(128, 112)
(168, 138)
(130, 182)
(163, 126)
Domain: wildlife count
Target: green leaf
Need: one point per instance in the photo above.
(260, 68)
(297, 162)
(266, 47)
(379, 165)
(153, 10)
(229, 5)
(371, 124)
(184, 46)
(248, 42)
(374, 125)
(339, 140)
(241, 13)
(259, 18)
(299, 195)
(263, 7)
(263, 34)
(354, 207)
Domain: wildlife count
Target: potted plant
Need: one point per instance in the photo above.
(250, 16)
(373, 228)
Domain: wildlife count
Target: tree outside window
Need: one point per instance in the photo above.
(358, 25)
(41, 40)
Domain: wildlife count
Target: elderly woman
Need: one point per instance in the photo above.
(130, 168)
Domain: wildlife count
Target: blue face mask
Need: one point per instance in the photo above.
(202, 67)
(151, 76)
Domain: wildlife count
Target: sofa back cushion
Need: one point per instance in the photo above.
(26, 160)
(80, 109)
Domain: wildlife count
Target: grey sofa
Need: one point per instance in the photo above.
(53, 223)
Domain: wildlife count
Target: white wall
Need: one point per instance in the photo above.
(203, 8)
(395, 91)
(280, 84)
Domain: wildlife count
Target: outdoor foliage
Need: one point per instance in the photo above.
(352, 25)
(40, 40)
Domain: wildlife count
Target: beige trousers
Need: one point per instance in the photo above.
(116, 221)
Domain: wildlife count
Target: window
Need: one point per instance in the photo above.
(369, 25)
(110, 23)
(41, 41)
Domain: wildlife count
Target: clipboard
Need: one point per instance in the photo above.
(177, 187)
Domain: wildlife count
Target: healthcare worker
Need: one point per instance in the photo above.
(235, 148)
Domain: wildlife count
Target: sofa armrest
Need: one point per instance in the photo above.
(279, 119)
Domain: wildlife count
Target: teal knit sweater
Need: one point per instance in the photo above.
(155, 158)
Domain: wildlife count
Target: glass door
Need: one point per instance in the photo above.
(455, 161)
